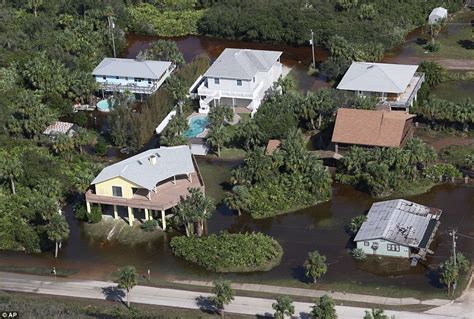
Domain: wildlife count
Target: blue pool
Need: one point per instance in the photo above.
(197, 125)
(105, 105)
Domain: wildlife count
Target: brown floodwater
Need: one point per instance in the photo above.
(316, 228)
(298, 58)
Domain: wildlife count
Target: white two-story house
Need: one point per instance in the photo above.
(135, 76)
(238, 78)
(395, 85)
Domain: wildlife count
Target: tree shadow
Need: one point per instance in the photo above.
(421, 41)
(113, 293)
(304, 315)
(466, 44)
(264, 316)
(206, 305)
(298, 273)
(433, 277)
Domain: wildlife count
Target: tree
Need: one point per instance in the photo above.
(283, 307)
(324, 309)
(217, 137)
(315, 265)
(194, 208)
(219, 115)
(223, 294)
(356, 223)
(449, 274)
(57, 230)
(375, 314)
(63, 144)
(10, 166)
(434, 73)
(165, 50)
(127, 280)
(434, 29)
(34, 5)
(81, 138)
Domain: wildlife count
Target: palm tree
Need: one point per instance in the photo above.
(194, 208)
(57, 230)
(324, 309)
(356, 223)
(219, 115)
(62, 144)
(10, 166)
(283, 307)
(434, 29)
(34, 4)
(217, 137)
(81, 138)
(315, 265)
(375, 314)
(223, 294)
(449, 274)
(127, 280)
(165, 50)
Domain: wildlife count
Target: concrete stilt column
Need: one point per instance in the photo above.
(163, 219)
(147, 214)
(131, 218)
(115, 212)
(88, 207)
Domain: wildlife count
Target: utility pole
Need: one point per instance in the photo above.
(312, 48)
(111, 31)
(454, 237)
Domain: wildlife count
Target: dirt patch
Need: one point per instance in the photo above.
(439, 143)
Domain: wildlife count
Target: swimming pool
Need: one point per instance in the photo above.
(197, 125)
(105, 105)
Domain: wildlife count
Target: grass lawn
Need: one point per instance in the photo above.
(455, 38)
(454, 90)
(122, 233)
(458, 155)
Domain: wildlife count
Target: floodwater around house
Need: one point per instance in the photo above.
(298, 58)
(315, 228)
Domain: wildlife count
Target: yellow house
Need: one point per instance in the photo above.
(154, 180)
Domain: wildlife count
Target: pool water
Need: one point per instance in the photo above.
(197, 125)
(105, 105)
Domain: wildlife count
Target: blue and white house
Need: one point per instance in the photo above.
(238, 78)
(398, 228)
(135, 76)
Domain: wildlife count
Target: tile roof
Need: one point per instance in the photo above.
(242, 63)
(370, 128)
(132, 68)
(399, 221)
(377, 77)
(58, 127)
(140, 170)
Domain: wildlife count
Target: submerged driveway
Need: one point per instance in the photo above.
(173, 297)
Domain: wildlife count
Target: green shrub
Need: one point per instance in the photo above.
(358, 254)
(95, 215)
(80, 212)
(462, 156)
(226, 252)
(101, 146)
(433, 47)
(149, 225)
(442, 172)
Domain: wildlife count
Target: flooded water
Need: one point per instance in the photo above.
(316, 228)
(298, 58)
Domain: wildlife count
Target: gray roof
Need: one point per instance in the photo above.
(377, 77)
(138, 169)
(399, 221)
(437, 14)
(131, 68)
(242, 63)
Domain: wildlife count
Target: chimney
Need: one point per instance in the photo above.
(152, 159)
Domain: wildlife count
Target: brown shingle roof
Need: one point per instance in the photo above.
(371, 128)
(272, 146)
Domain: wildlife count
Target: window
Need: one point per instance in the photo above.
(393, 247)
(117, 191)
(104, 77)
(117, 77)
(135, 79)
(254, 79)
(239, 82)
(149, 81)
(366, 243)
(216, 81)
(126, 78)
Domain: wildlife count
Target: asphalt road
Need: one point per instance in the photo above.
(173, 297)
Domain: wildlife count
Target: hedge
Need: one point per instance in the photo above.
(226, 252)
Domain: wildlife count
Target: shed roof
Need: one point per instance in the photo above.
(132, 68)
(272, 146)
(370, 128)
(399, 221)
(140, 170)
(377, 77)
(58, 127)
(242, 63)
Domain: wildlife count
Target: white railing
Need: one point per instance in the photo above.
(203, 90)
(406, 102)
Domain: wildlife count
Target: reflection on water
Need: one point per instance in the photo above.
(315, 228)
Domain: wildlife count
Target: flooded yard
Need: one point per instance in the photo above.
(316, 228)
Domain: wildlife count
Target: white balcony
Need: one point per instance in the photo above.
(203, 90)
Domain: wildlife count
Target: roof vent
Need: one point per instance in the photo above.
(370, 66)
(152, 159)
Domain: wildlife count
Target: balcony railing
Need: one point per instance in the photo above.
(204, 90)
(406, 101)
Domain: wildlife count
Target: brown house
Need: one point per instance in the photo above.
(371, 128)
